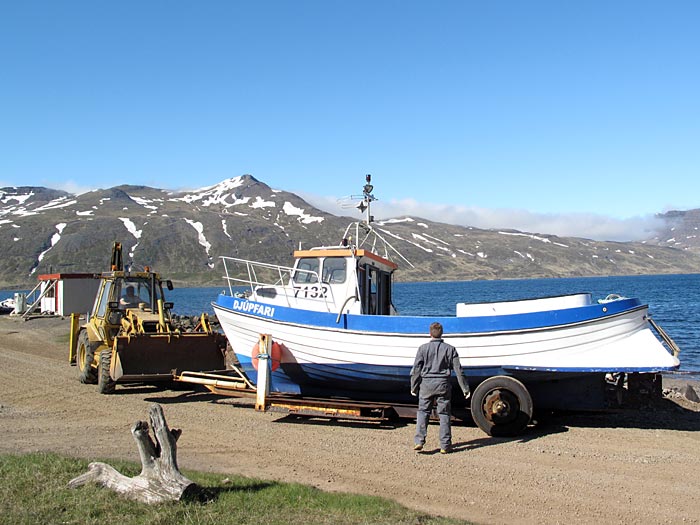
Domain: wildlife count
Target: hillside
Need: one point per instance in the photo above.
(680, 231)
(182, 234)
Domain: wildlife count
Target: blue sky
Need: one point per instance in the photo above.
(576, 118)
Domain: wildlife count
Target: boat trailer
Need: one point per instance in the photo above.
(506, 403)
(234, 383)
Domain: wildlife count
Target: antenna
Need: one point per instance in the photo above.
(361, 202)
(364, 232)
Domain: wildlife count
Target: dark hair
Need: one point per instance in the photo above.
(436, 330)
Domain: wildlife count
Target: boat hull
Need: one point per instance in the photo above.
(370, 357)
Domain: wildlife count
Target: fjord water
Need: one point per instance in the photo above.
(674, 300)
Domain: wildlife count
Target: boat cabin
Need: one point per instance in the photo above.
(328, 279)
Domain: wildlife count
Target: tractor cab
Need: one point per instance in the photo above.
(121, 292)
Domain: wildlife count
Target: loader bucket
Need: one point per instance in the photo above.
(152, 357)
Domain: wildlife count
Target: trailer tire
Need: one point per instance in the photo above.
(501, 406)
(85, 355)
(105, 384)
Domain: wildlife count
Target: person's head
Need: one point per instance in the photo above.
(436, 330)
(130, 291)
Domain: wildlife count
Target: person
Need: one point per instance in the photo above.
(130, 299)
(431, 382)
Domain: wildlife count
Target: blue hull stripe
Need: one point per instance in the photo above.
(418, 325)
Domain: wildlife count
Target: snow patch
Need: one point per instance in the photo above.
(61, 202)
(221, 193)
(146, 203)
(21, 199)
(260, 203)
(223, 226)
(531, 236)
(417, 245)
(131, 228)
(304, 218)
(54, 240)
(199, 228)
(427, 239)
(395, 221)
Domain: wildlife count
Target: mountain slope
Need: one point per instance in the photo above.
(182, 234)
(681, 230)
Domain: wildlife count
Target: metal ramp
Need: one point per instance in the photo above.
(234, 383)
(33, 306)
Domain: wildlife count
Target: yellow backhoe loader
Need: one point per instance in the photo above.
(129, 335)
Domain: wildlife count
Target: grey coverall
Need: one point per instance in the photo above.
(431, 373)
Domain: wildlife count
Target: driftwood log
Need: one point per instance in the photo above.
(160, 479)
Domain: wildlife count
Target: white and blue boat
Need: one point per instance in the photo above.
(336, 333)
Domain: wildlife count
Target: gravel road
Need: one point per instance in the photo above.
(639, 467)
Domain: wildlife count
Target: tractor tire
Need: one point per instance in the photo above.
(85, 355)
(105, 383)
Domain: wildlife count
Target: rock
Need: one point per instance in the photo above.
(690, 394)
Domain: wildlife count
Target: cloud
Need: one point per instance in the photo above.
(69, 186)
(586, 225)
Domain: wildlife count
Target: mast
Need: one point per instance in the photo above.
(367, 198)
(368, 235)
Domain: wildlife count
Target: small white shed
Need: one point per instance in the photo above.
(66, 293)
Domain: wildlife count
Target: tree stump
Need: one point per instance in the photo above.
(160, 479)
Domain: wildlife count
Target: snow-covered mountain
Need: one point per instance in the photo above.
(182, 234)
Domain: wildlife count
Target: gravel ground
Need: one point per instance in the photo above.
(632, 467)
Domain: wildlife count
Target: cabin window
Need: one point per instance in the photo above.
(334, 270)
(309, 273)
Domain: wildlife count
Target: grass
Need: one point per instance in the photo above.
(33, 490)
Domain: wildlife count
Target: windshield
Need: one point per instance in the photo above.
(130, 292)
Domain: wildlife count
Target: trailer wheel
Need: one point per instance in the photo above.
(85, 355)
(501, 406)
(105, 384)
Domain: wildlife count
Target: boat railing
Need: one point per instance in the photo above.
(257, 276)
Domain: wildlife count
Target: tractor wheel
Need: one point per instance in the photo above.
(105, 384)
(85, 355)
(501, 406)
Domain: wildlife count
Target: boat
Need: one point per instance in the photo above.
(7, 306)
(336, 333)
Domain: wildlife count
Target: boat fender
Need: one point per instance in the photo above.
(275, 355)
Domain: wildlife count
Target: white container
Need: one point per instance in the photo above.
(20, 303)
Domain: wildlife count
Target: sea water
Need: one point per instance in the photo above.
(674, 300)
